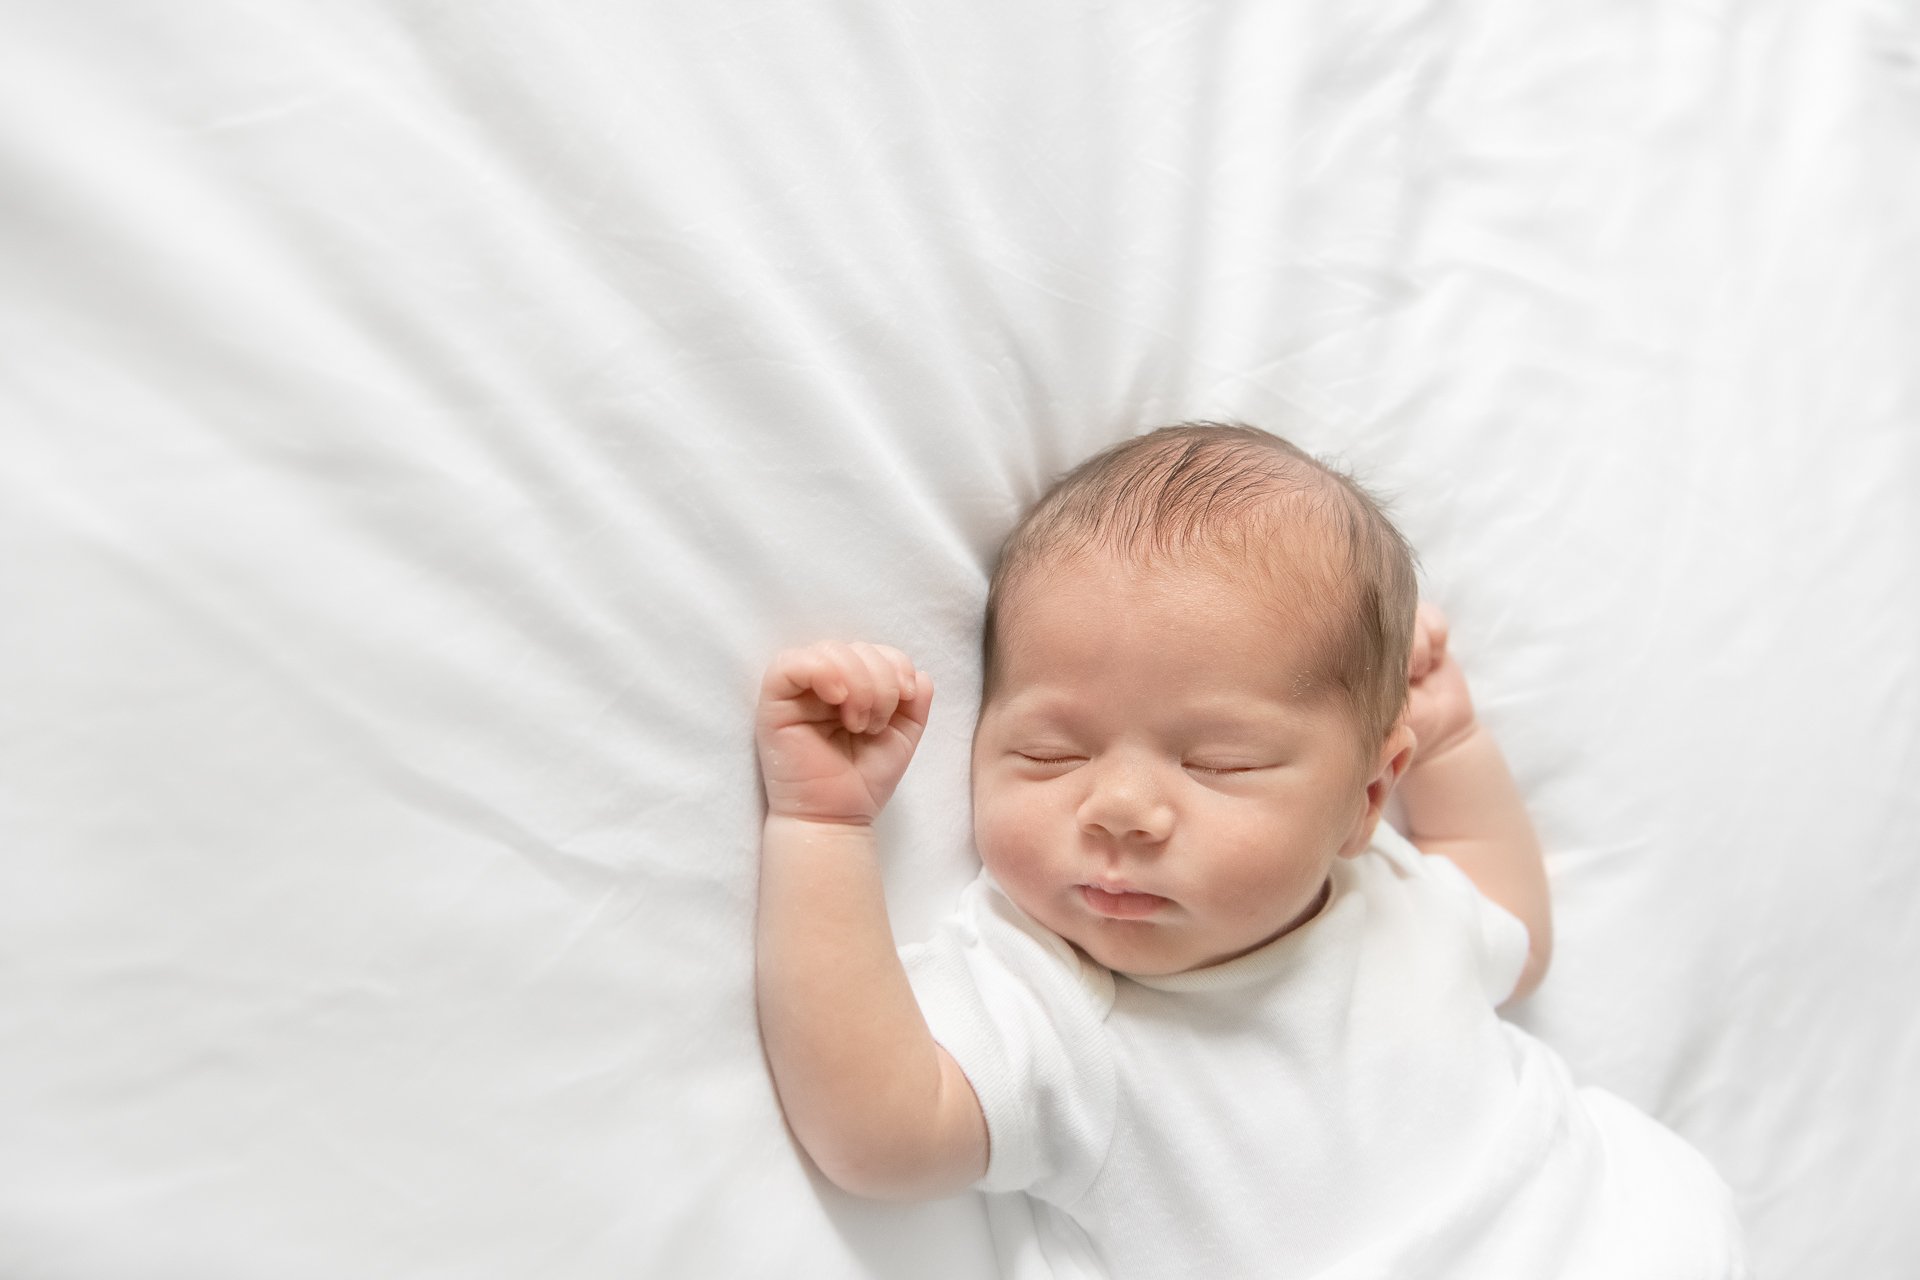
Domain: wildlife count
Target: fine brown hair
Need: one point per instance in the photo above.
(1247, 500)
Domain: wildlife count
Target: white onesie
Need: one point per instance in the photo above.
(1343, 1102)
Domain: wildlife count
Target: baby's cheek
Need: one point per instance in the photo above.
(1012, 847)
(998, 835)
(1268, 879)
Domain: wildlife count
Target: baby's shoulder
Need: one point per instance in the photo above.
(1393, 853)
(1391, 867)
(1424, 901)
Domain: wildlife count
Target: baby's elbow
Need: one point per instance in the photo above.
(903, 1136)
(890, 1171)
(1534, 971)
(854, 1176)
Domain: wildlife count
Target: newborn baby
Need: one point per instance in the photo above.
(1202, 1006)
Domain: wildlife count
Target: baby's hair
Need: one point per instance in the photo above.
(1245, 499)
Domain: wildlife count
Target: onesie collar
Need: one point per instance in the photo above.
(1282, 956)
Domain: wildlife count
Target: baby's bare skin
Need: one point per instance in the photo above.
(881, 1109)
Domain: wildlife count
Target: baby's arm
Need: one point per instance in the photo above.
(1460, 802)
(881, 1109)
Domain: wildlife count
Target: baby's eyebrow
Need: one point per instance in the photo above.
(1255, 715)
(1039, 704)
(1238, 739)
(1223, 728)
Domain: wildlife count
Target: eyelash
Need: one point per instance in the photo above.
(1220, 772)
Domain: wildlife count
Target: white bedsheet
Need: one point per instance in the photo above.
(422, 420)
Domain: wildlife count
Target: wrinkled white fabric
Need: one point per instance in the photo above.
(1342, 1102)
(420, 422)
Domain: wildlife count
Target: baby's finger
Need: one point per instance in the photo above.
(914, 711)
(1430, 630)
(796, 673)
(903, 668)
(883, 686)
(1420, 661)
(845, 686)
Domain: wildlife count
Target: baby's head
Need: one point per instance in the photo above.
(1196, 662)
(1249, 506)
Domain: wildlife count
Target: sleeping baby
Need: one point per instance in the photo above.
(1202, 1006)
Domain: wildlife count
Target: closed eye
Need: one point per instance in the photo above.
(1051, 760)
(1221, 770)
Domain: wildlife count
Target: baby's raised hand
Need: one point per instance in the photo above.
(836, 727)
(1439, 708)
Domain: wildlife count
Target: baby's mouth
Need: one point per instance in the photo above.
(1121, 904)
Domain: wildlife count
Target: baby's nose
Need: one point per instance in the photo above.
(1125, 802)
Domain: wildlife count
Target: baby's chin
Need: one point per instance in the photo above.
(1136, 948)
(1145, 949)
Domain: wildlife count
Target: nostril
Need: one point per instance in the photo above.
(1132, 829)
(1122, 803)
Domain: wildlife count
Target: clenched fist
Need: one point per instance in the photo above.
(1439, 708)
(836, 728)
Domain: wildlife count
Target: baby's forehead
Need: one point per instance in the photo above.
(1093, 646)
(1289, 610)
(1297, 576)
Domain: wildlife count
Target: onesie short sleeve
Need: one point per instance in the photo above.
(1024, 1016)
(1497, 938)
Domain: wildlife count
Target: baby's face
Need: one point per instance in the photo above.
(1154, 778)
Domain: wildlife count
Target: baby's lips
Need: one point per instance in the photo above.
(1124, 904)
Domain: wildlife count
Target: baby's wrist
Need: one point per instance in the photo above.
(816, 827)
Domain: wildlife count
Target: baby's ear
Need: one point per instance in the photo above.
(1396, 753)
(1389, 762)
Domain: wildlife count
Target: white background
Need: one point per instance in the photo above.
(421, 421)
